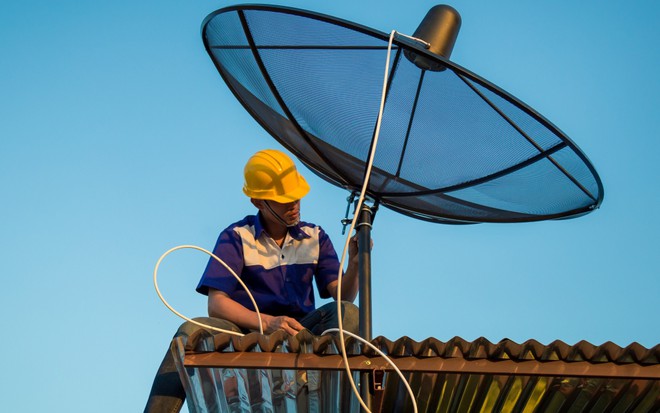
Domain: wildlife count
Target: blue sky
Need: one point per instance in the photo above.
(119, 140)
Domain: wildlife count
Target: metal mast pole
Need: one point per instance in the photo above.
(364, 267)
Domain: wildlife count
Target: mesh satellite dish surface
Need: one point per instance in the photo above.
(453, 147)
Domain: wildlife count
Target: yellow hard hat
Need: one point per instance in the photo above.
(270, 174)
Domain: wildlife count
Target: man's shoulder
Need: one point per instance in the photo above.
(240, 227)
(247, 221)
(311, 230)
(304, 224)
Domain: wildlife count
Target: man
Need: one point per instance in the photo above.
(277, 256)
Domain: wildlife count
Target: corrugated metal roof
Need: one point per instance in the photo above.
(281, 373)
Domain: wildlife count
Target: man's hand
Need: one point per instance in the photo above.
(288, 324)
(353, 248)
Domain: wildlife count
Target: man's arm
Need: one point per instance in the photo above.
(220, 305)
(350, 279)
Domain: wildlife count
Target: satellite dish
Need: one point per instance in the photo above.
(453, 147)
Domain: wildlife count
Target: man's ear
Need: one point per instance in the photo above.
(258, 203)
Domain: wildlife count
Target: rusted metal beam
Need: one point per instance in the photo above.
(296, 361)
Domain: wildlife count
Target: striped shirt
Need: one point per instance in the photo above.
(280, 279)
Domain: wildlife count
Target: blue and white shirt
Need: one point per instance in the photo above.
(280, 279)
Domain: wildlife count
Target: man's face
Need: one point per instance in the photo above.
(289, 212)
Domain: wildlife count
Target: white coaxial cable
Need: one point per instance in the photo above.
(363, 191)
(261, 329)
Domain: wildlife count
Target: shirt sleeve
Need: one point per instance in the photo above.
(327, 269)
(229, 249)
